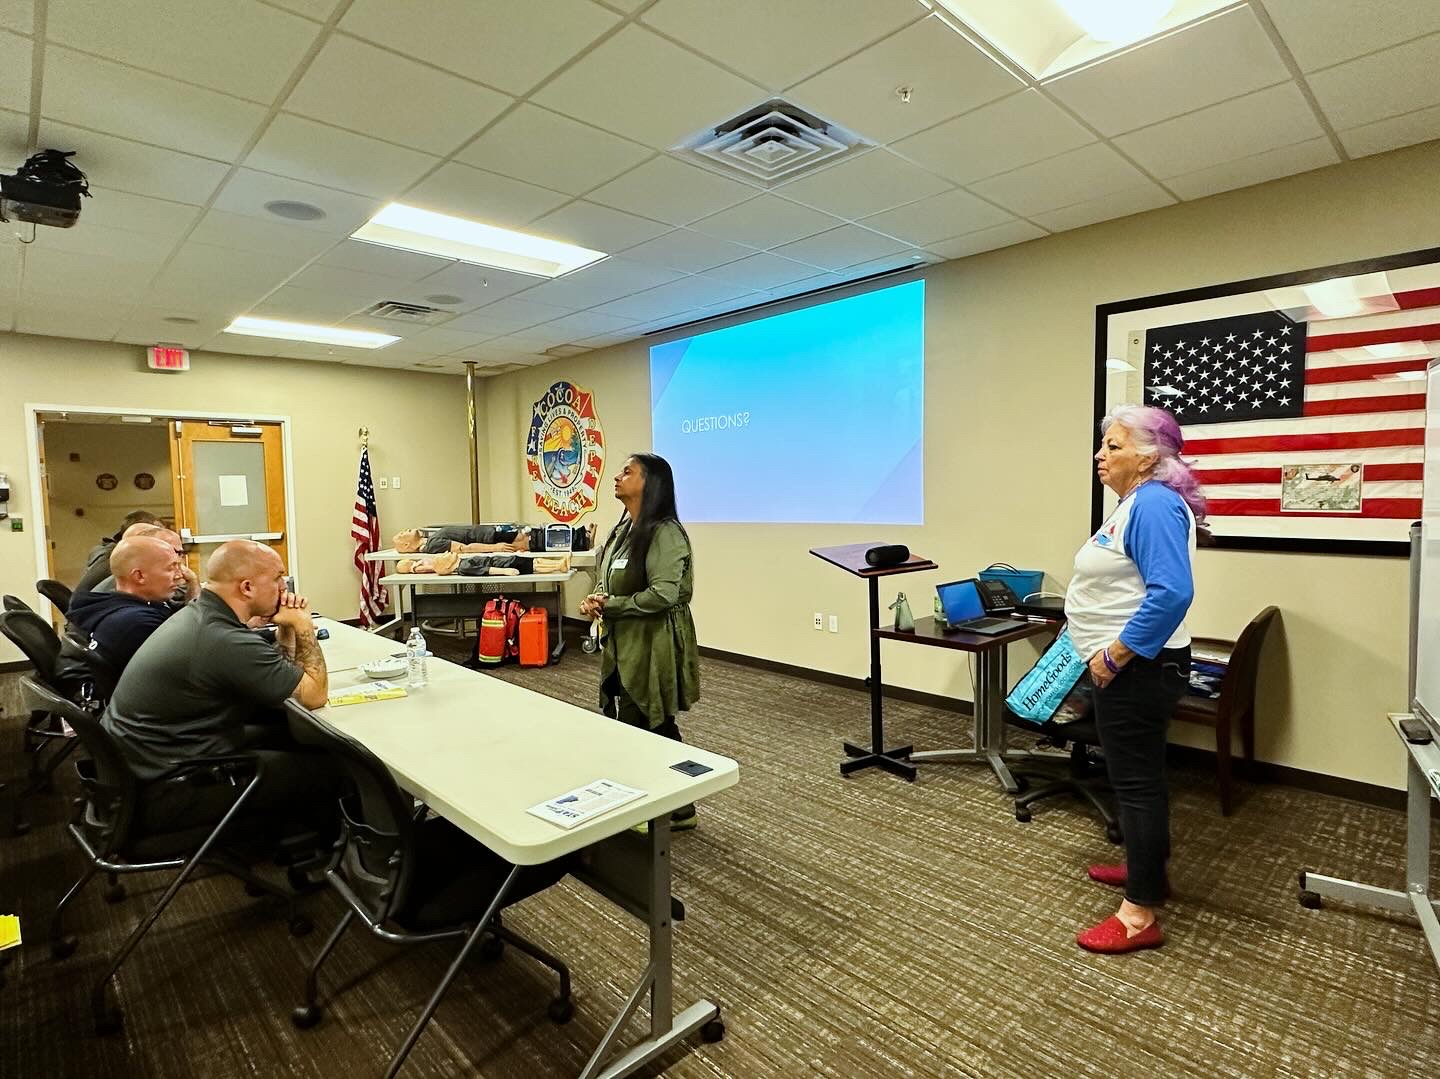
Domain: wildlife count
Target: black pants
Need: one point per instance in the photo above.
(1133, 715)
(619, 705)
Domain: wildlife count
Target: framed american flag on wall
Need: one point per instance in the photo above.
(1301, 398)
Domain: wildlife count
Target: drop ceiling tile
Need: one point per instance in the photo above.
(545, 148)
(355, 85)
(1384, 84)
(807, 284)
(18, 15)
(1207, 62)
(597, 227)
(946, 74)
(1415, 127)
(867, 184)
(1090, 172)
(1278, 116)
(765, 222)
(938, 218)
(239, 46)
(1270, 165)
(628, 84)
(130, 167)
(234, 344)
(14, 132)
(96, 322)
(1012, 232)
(311, 9)
(143, 250)
(762, 271)
(240, 233)
(305, 150)
(688, 251)
(290, 303)
(605, 340)
(199, 273)
(506, 316)
(105, 96)
(905, 260)
(670, 190)
(136, 213)
(1018, 130)
(475, 285)
(248, 192)
(15, 54)
(679, 296)
(800, 38)
(608, 280)
(1321, 34)
(441, 341)
(147, 326)
(482, 196)
(589, 323)
(363, 288)
(508, 44)
(1132, 200)
(536, 338)
(838, 248)
(55, 272)
(390, 262)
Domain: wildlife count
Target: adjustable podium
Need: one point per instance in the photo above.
(851, 558)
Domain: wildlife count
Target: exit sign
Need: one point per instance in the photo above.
(166, 358)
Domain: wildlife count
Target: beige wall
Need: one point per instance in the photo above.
(416, 421)
(1009, 399)
(80, 512)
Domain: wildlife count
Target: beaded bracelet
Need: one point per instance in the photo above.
(1109, 663)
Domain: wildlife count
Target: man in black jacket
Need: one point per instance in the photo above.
(97, 562)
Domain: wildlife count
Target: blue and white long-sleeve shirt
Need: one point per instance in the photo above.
(1133, 578)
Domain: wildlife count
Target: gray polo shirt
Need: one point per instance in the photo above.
(193, 685)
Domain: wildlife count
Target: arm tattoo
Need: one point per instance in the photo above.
(309, 656)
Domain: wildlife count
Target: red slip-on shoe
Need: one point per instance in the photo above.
(1117, 876)
(1111, 937)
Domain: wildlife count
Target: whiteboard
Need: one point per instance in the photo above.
(1427, 651)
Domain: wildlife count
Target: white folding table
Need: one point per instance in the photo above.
(480, 752)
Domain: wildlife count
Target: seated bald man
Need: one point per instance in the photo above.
(97, 562)
(187, 590)
(206, 685)
(114, 625)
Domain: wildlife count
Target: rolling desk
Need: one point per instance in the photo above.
(480, 751)
(990, 687)
(1422, 770)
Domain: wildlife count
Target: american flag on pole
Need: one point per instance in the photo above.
(365, 530)
(1293, 423)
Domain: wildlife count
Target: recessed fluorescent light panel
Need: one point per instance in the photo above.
(412, 229)
(300, 331)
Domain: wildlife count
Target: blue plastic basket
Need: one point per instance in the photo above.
(1023, 582)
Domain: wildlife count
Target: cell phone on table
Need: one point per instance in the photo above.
(692, 768)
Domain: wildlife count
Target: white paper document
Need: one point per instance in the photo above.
(233, 491)
(583, 803)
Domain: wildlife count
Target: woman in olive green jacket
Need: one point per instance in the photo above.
(649, 659)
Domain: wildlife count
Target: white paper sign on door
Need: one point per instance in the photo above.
(233, 491)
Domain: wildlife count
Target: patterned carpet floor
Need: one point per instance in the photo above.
(849, 927)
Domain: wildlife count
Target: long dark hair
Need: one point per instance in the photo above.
(657, 505)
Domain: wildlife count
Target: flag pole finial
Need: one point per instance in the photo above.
(364, 434)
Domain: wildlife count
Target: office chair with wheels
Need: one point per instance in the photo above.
(412, 881)
(107, 828)
(1079, 776)
(30, 633)
(57, 593)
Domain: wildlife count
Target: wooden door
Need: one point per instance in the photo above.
(229, 484)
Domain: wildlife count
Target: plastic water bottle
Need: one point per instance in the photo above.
(415, 655)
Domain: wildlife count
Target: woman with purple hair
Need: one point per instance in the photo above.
(1125, 607)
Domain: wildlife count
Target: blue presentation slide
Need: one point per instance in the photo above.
(811, 416)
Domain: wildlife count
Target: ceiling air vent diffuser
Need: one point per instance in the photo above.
(397, 311)
(772, 142)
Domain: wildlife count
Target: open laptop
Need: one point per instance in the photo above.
(965, 610)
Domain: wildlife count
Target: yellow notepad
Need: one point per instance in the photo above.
(9, 931)
(375, 691)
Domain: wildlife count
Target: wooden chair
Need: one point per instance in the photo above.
(1235, 707)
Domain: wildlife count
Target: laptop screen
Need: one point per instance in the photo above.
(960, 600)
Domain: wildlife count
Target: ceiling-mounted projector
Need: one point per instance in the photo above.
(46, 190)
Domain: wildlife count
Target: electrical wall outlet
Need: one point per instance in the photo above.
(382, 483)
(819, 620)
(834, 623)
(395, 482)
